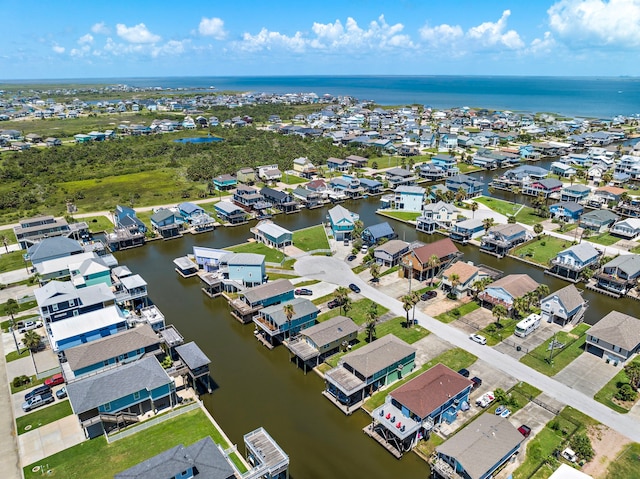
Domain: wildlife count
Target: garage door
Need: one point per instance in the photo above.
(595, 350)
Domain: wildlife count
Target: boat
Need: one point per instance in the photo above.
(500, 409)
(506, 413)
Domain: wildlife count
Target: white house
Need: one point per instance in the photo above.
(409, 198)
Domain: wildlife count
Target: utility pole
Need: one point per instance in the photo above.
(553, 344)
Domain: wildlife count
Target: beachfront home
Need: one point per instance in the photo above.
(246, 176)
(500, 239)
(189, 210)
(571, 262)
(208, 259)
(32, 230)
(468, 184)
(279, 199)
(271, 234)
(316, 342)
(251, 300)
(224, 182)
(411, 411)
(166, 223)
(431, 172)
(577, 193)
(620, 274)
(458, 278)
(371, 186)
(409, 198)
(378, 232)
(598, 221)
(390, 253)
(466, 230)
(229, 213)
(59, 300)
(247, 269)
(567, 211)
(446, 163)
(104, 401)
(274, 325)
(428, 260)
(615, 338)
(565, 306)
(507, 289)
(628, 228)
(436, 216)
(347, 185)
(362, 372)
(480, 449)
(342, 222)
(400, 176)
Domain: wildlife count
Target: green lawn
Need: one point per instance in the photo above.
(400, 215)
(455, 358)
(22, 307)
(271, 255)
(98, 224)
(310, 239)
(542, 250)
(33, 383)
(455, 313)
(293, 180)
(12, 261)
(323, 299)
(605, 395)
(604, 239)
(465, 168)
(105, 460)
(391, 270)
(495, 333)
(526, 215)
(14, 355)
(358, 311)
(309, 282)
(44, 416)
(9, 235)
(627, 464)
(538, 358)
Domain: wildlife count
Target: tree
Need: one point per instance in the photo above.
(626, 393)
(511, 219)
(460, 195)
(415, 299)
(581, 444)
(454, 279)
(288, 312)
(11, 307)
(480, 285)
(374, 269)
(432, 263)
(538, 229)
(474, 207)
(633, 373)
(542, 291)
(32, 340)
(346, 305)
(407, 304)
(487, 223)
(5, 242)
(499, 312)
(521, 306)
(372, 319)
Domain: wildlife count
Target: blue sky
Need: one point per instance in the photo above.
(140, 38)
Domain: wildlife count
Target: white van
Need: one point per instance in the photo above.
(364, 249)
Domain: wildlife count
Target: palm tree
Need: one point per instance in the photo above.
(407, 304)
(288, 312)
(374, 269)
(542, 291)
(433, 263)
(11, 307)
(346, 305)
(511, 219)
(32, 340)
(538, 228)
(521, 306)
(454, 279)
(474, 207)
(488, 223)
(415, 299)
(372, 319)
(499, 312)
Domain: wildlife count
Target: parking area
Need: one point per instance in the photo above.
(429, 347)
(533, 340)
(49, 439)
(18, 399)
(587, 374)
(475, 320)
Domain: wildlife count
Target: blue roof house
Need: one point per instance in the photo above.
(568, 211)
(52, 248)
(575, 193)
(571, 262)
(446, 163)
(463, 231)
(371, 186)
(342, 222)
(468, 184)
(373, 234)
(273, 324)
(230, 213)
(224, 182)
(165, 222)
(190, 210)
(271, 234)
(251, 300)
(125, 217)
(208, 259)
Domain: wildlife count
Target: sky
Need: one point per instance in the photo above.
(44, 39)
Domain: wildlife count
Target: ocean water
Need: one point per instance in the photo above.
(595, 97)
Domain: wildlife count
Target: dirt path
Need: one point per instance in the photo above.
(607, 445)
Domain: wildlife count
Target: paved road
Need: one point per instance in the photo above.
(9, 457)
(337, 272)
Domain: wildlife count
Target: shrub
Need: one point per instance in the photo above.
(455, 312)
(21, 380)
(581, 444)
(626, 393)
(543, 243)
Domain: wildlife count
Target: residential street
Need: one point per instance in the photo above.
(338, 272)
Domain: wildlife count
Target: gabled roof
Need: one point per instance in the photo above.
(162, 215)
(378, 355)
(571, 206)
(380, 230)
(441, 248)
(430, 390)
(517, 285)
(244, 259)
(629, 263)
(189, 208)
(465, 271)
(618, 329)
(330, 330)
(228, 207)
(582, 251)
(569, 296)
(301, 307)
(267, 290)
(412, 190)
(56, 246)
(508, 229)
(600, 215)
(393, 247)
(339, 214)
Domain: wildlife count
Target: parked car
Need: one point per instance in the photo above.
(303, 292)
(54, 380)
(477, 382)
(427, 295)
(500, 409)
(351, 257)
(29, 325)
(334, 303)
(506, 413)
(354, 288)
(464, 372)
(524, 430)
(44, 389)
(364, 249)
(478, 338)
(37, 401)
(61, 393)
(346, 242)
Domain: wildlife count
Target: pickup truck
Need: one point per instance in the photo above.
(37, 401)
(29, 325)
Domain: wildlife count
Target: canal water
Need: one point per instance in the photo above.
(257, 387)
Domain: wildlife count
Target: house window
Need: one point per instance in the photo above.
(136, 395)
(617, 349)
(71, 303)
(107, 407)
(54, 307)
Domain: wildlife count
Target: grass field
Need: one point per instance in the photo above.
(310, 239)
(98, 224)
(271, 255)
(605, 395)
(455, 313)
(12, 261)
(627, 464)
(293, 180)
(538, 358)
(358, 311)
(495, 333)
(33, 383)
(604, 239)
(400, 215)
(44, 416)
(542, 250)
(105, 460)
(14, 355)
(8, 234)
(525, 215)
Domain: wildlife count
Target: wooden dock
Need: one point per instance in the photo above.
(370, 431)
(263, 340)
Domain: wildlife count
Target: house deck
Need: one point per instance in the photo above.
(265, 342)
(372, 433)
(592, 286)
(565, 278)
(347, 410)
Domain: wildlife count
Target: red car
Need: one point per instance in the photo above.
(54, 380)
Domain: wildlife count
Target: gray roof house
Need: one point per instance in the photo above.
(616, 337)
(390, 253)
(52, 248)
(571, 262)
(597, 220)
(620, 274)
(202, 460)
(273, 323)
(563, 306)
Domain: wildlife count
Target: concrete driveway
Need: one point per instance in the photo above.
(532, 341)
(429, 347)
(47, 440)
(587, 374)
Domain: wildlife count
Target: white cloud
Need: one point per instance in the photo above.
(212, 27)
(172, 47)
(58, 49)
(441, 34)
(490, 34)
(137, 34)
(85, 39)
(543, 45)
(266, 40)
(80, 52)
(597, 22)
(100, 28)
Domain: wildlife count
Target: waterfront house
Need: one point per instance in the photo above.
(467, 274)
(310, 199)
(478, 450)
(347, 185)
(119, 395)
(615, 338)
(419, 263)
(89, 271)
(165, 223)
(316, 342)
(400, 176)
(357, 161)
(120, 348)
(248, 198)
(304, 167)
(562, 169)
(188, 211)
(597, 221)
(411, 411)
(447, 163)
(436, 216)
(577, 193)
(53, 248)
(465, 230)
(224, 182)
(251, 300)
(390, 253)
(208, 259)
(571, 262)
(204, 459)
(507, 289)
(279, 199)
(58, 268)
(32, 230)
(246, 176)
(370, 186)
(546, 187)
(246, 269)
(628, 228)
(229, 213)
(620, 274)
(271, 234)
(409, 198)
(610, 194)
(337, 164)
(125, 217)
(362, 372)
(273, 324)
(565, 306)
(431, 172)
(372, 235)
(191, 357)
(567, 211)
(342, 222)
(500, 239)
(466, 183)
(58, 300)
(317, 185)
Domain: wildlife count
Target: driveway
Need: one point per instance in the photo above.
(533, 340)
(587, 374)
(429, 347)
(48, 440)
